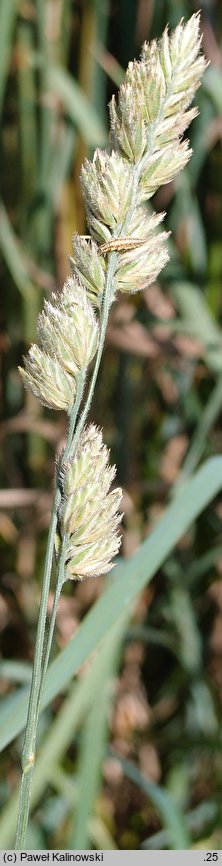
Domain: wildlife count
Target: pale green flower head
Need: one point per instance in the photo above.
(107, 186)
(157, 89)
(148, 120)
(68, 333)
(89, 512)
(48, 380)
(136, 272)
(83, 323)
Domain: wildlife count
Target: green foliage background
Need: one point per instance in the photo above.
(131, 752)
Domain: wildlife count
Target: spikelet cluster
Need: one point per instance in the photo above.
(109, 199)
(137, 272)
(107, 186)
(68, 336)
(152, 109)
(147, 124)
(89, 516)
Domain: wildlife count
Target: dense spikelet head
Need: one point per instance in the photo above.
(89, 516)
(152, 109)
(68, 334)
(107, 186)
(135, 273)
(84, 326)
(47, 379)
(161, 167)
(138, 268)
(147, 124)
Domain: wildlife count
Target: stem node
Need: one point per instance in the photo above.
(28, 762)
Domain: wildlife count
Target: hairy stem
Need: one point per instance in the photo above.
(28, 756)
(103, 326)
(59, 585)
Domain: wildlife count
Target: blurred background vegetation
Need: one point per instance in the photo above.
(159, 398)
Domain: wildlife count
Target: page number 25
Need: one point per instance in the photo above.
(210, 856)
